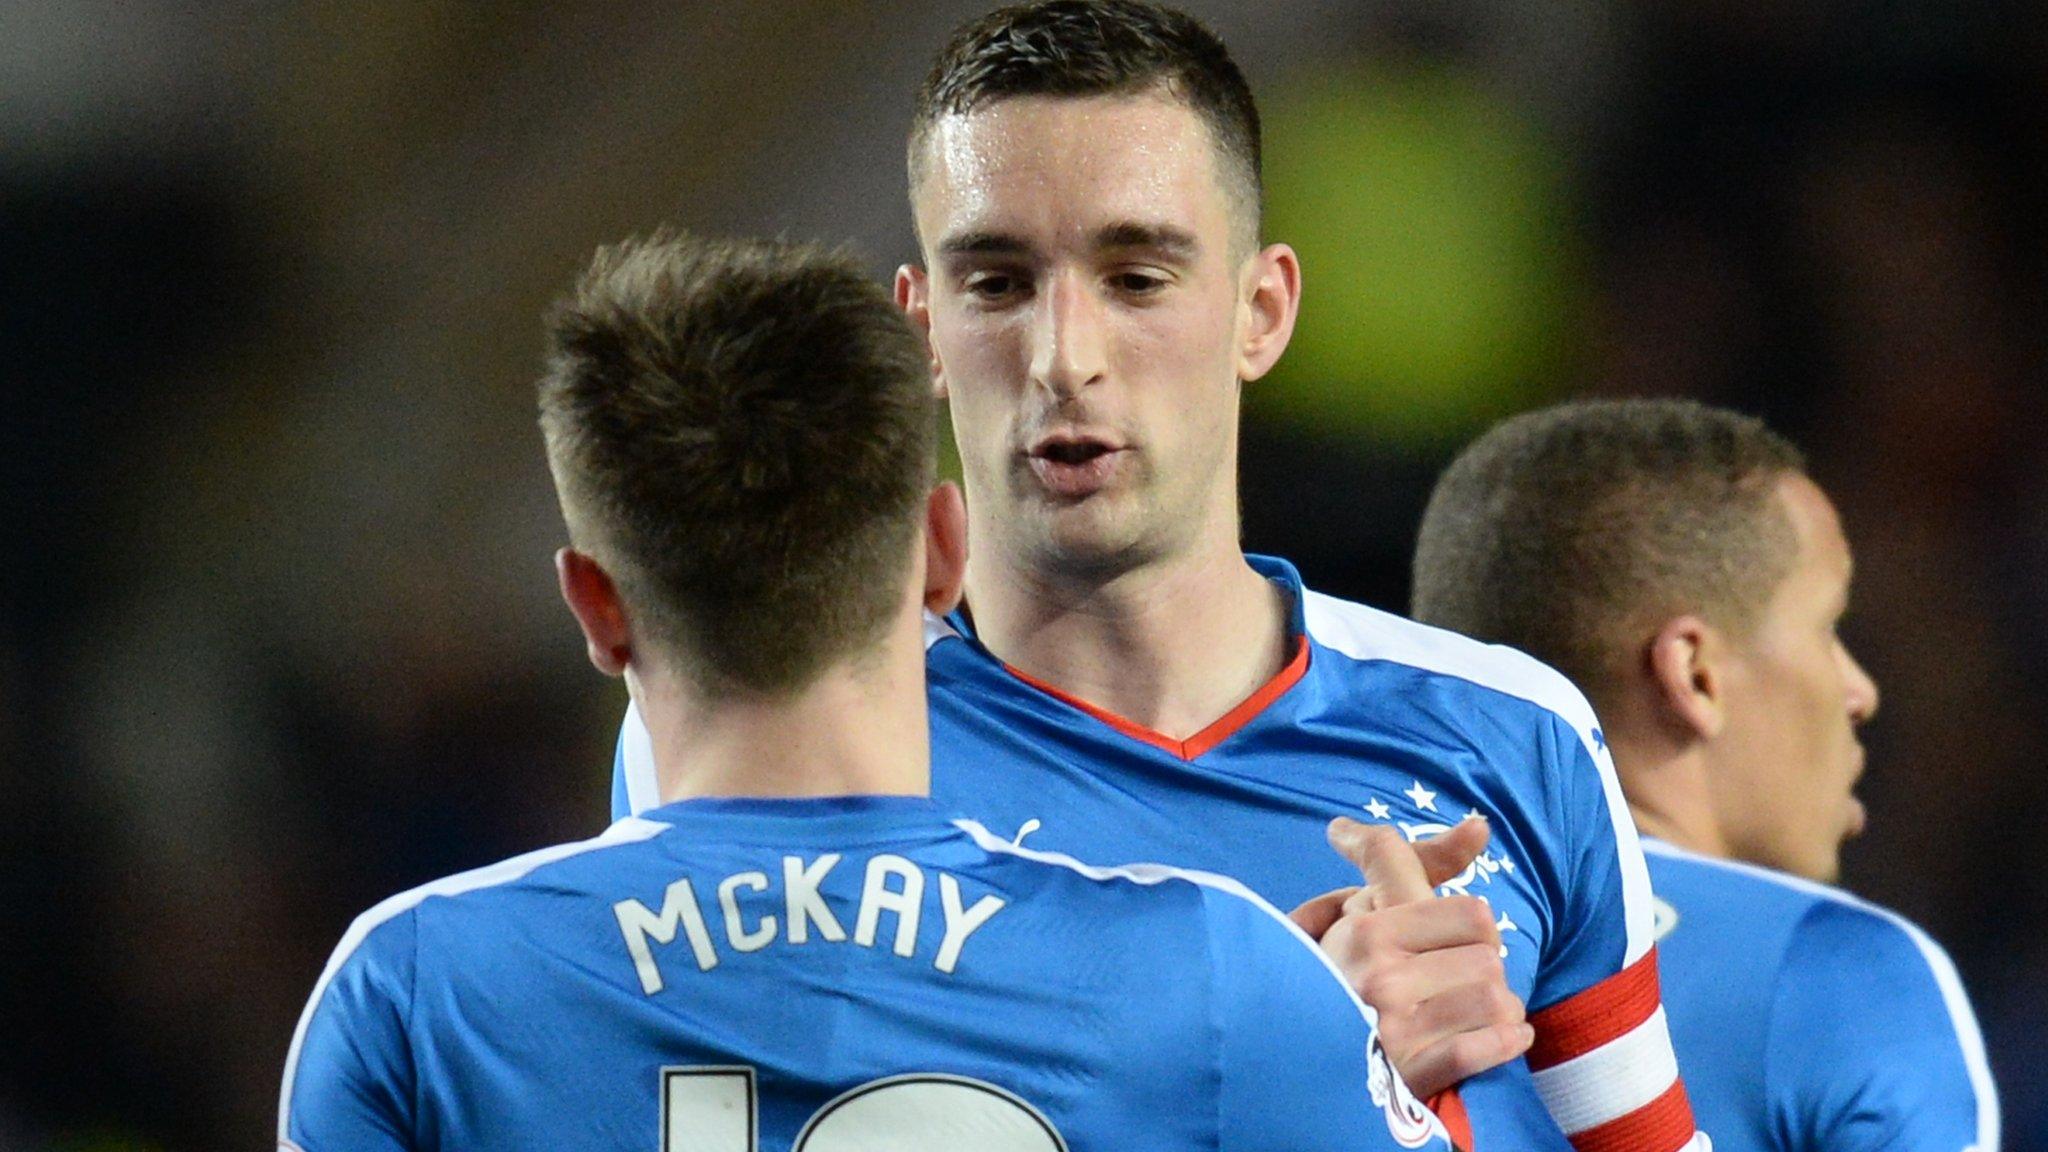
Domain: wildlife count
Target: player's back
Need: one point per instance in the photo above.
(1387, 721)
(725, 975)
(1808, 1019)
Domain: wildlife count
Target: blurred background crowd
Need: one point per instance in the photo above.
(278, 627)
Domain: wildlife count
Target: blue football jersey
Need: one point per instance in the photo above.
(832, 975)
(1384, 720)
(1808, 1019)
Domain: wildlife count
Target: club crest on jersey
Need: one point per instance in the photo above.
(1407, 1119)
(1481, 871)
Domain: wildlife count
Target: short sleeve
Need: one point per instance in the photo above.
(1604, 916)
(1603, 1061)
(1299, 1060)
(1873, 1045)
(349, 1078)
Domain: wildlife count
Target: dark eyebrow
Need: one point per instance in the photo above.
(1163, 238)
(982, 244)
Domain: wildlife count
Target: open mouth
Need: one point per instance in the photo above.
(1074, 466)
(1070, 452)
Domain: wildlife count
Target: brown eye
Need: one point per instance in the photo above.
(992, 286)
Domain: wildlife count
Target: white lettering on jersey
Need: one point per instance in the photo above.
(960, 924)
(800, 892)
(639, 925)
(728, 903)
(876, 897)
(891, 885)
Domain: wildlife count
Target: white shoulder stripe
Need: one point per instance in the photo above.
(1960, 1015)
(1364, 633)
(628, 831)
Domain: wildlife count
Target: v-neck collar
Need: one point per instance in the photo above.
(1223, 727)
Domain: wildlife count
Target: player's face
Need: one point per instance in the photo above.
(1795, 698)
(1089, 321)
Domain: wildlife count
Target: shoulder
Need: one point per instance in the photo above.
(1370, 635)
(1058, 867)
(1872, 1011)
(1824, 917)
(514, 872)
(1851, 970)
(387, 916)
(1872, 951)
(1731, 893)
(1740, 939)
(1905, 1040)
(1246, 932)
(1876, 943)
(355, 1016)
(375, 957)
(1215, 895)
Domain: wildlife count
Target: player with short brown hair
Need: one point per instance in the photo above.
(1676, 560)
(1096, 298)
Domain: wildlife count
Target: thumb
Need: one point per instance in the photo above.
(1444, 856)
(1316, 916)
(1394, 874)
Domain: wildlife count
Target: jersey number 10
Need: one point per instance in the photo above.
(713, 1108)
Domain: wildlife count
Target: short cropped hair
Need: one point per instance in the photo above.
(1079, 48)
(1574, 532)
(741, 432)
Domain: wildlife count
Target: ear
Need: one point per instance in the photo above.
(945, 548)
(913, 295)
(1272, 298)
(594, 600)
(1686, 677)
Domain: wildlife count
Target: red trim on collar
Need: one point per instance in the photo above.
(1223, 729)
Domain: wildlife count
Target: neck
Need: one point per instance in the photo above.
(1668, 794)
(1171, 645)
(860, 729)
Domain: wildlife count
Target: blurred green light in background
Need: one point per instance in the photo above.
(1439, 269)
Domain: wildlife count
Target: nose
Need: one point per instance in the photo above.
(1067, 352)
(1862, 690)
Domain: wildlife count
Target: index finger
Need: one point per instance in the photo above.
(1393, 871)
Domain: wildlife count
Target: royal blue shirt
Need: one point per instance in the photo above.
(726, 975)
(1807, 1019)
(1377, 718)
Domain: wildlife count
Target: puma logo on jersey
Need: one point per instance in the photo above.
(893, 887)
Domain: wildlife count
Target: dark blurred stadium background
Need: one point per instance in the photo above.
(280, 631)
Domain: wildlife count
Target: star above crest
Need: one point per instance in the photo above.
(1423, 797)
